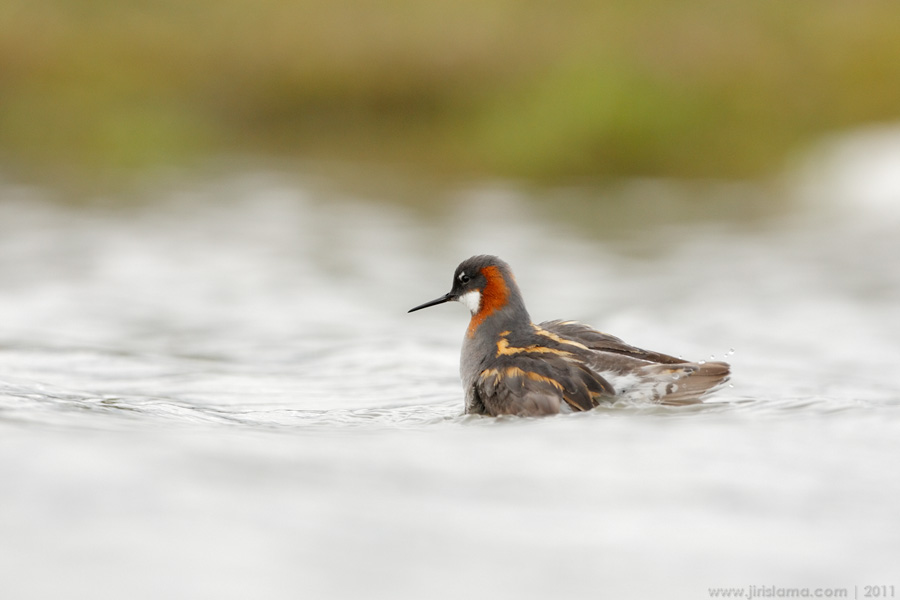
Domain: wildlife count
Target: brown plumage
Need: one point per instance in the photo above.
(510, 365)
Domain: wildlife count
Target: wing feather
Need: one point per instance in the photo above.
(539, 385)
(604, 342)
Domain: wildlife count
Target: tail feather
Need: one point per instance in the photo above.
(685, 383)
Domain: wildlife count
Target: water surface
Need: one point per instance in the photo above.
(219, 394)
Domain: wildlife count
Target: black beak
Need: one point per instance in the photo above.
(441, 300)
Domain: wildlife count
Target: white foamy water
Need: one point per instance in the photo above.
(219, 394)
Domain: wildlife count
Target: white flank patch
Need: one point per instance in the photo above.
(633, 387)
(472, 300)
(621, 383)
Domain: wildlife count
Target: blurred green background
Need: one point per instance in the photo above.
(542, 91)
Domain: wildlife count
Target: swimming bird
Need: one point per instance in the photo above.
(512, 366)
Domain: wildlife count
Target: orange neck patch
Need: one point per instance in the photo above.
(494, 296)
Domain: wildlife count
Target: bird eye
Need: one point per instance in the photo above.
(463, 278)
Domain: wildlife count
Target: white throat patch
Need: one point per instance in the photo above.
(472, 300)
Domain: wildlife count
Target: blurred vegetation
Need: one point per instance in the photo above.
(538, 90)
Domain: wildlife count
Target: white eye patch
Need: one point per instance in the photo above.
(472, 300)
